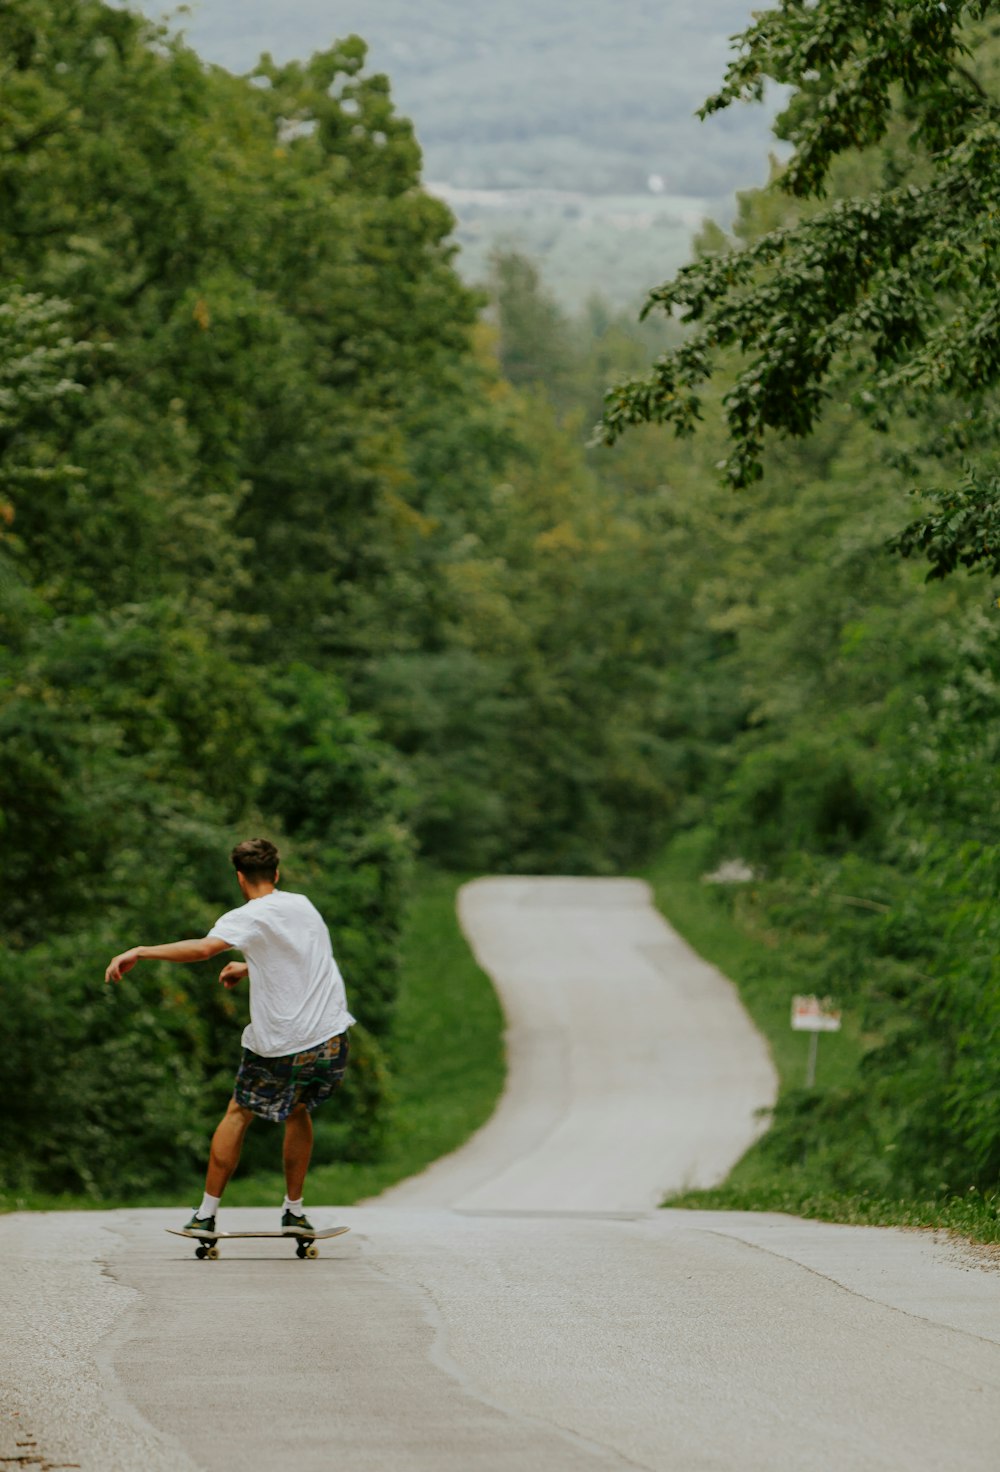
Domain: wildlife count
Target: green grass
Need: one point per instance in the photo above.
(768, 969)
(448, 1071)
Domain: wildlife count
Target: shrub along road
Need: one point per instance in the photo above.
(522, 1303)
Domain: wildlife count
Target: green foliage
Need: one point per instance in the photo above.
(850, 762)
(861, 792)
(534, 344)
(862, 1146)
(153, 332)
(887, 296)
(282, 552)
(803, 791)
(847, 64)
(103, 1091)
(335, 790)
(964, 530)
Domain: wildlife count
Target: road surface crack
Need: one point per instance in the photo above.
(854, 1292)
(442, 1358)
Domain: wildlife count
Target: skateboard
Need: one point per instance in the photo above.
(305, 1242)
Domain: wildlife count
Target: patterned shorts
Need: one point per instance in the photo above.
(272, 1087)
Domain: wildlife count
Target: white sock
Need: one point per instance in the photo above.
(295, 1207)
(209, 1206)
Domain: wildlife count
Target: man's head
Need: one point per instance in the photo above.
(256, 862)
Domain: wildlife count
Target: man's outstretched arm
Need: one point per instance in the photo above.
(175, 950)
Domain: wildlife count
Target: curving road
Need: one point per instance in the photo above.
(633, 1069)
(522, 1305)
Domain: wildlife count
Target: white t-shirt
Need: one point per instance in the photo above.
(297, 996)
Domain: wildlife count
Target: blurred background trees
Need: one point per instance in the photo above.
(281, 551)
(299, 535)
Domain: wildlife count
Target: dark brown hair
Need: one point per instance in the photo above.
(256, 859)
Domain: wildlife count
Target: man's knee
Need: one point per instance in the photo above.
(238, 1111)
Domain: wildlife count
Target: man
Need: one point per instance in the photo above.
(295, 1047)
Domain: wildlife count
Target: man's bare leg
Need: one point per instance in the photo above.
(297, 1150)
(227, 1142)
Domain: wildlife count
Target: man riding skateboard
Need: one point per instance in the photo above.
(295, 1047)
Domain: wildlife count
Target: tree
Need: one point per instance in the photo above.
(534, 337)
(158, 318)
(888, 297)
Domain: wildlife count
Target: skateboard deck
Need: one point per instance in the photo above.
(304, 1241)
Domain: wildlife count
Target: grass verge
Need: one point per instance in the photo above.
(768, 969)
(448, 1070)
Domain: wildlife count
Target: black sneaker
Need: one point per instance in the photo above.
(198, 1223)
(296, 1226)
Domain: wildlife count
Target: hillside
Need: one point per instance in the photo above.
(574, 99)
(558, 95)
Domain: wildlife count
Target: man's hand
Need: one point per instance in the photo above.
(233, 973)
(121, 964)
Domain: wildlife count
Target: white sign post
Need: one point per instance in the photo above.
(814, 1015)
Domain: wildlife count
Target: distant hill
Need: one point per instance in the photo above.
(577, 96)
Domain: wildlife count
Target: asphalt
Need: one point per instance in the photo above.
(502, 1312)
(633, 1070)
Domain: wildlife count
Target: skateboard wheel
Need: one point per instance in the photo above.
(312, 1250)
(201, 1252)
(212, 1252)
(301, 1250)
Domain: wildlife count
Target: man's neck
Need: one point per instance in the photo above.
(258, 891)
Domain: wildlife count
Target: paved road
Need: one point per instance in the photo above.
(633, 1069)
(470, 1322)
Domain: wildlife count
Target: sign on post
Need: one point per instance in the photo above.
(814, 1015)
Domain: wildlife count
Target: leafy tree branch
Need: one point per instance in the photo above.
(887, 299)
